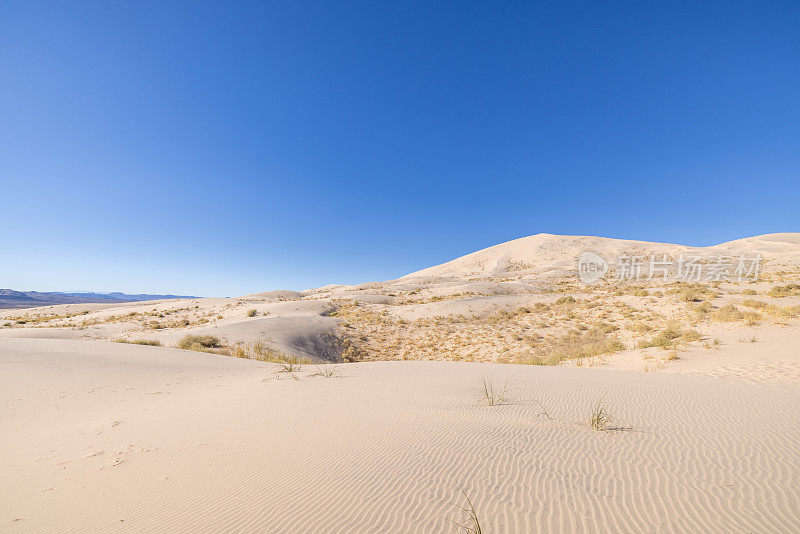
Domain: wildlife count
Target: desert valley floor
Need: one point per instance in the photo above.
(365, 408)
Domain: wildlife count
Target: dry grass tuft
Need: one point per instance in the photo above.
(600, 417)
(328, 371)
(492, 394)
(471, 524)
(150, 342)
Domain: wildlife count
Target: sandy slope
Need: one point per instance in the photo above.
(111, 437)
(548, 252)
(115, 438)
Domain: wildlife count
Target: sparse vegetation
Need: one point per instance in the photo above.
(471, 524)
(600, 417)
(328, 371)
(252, 313)
(574, 345)
(492, 394)
(670, 337)
(151, 342)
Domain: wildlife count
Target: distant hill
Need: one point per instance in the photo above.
(542, 253)
(10, 298)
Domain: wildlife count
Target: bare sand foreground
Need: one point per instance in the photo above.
(118, 438)
(702, 381)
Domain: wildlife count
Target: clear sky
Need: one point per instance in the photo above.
(220, 148)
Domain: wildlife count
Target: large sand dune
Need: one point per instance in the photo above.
(548, 252)
(116, 437)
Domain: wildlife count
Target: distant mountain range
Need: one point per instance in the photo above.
(10, 298)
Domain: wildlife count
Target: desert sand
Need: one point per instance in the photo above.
(368, 412)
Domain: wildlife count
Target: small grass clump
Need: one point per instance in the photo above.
(600, 417)
(328, 371)
(290, 364)
(252, 313)
(492, 394)
(471, 524)
(150, 342)
(199, 343)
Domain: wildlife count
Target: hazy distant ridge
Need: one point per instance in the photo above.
(10, 298)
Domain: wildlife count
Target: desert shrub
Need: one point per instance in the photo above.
(690, 295)
(540, 307)
(199, 343)
(499, 317)
(702, 309)
(566, 300)
(691, 292)
(751, 318)
(690, 335)
(607, 328)
(728, 312)
(749, 292)
(252, 313)
(790, 290)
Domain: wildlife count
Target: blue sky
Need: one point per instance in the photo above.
(223, 148)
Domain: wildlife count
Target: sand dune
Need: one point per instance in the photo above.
(545, 252)
(115, 437)
(143, 439)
